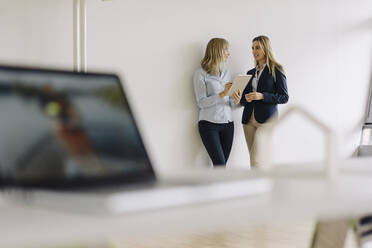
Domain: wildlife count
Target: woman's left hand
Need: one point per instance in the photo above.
(237, 95)
(254, 96)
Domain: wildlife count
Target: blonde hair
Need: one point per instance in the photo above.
(213, 58)
(271, 62)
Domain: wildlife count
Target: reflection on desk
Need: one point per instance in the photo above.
(297, 194)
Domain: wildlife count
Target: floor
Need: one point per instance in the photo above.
(296, 234)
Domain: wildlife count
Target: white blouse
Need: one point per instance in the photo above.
(207, 87)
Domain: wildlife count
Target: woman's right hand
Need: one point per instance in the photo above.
(254, 96)
(227, 88)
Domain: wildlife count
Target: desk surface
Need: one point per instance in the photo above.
(296, 194)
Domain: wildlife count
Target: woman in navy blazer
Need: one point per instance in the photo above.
(266, 89)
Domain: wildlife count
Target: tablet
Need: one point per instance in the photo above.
(239, 83)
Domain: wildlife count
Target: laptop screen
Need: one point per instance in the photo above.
(65, 129)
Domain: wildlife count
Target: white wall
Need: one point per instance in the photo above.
(12, 47)
(325, 47)
(36, 33)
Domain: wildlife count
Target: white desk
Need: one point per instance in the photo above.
(296, 194)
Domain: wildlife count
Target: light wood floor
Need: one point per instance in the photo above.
(275, 235)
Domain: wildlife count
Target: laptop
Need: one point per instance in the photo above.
(69, 140)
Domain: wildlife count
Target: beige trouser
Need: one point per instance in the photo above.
(250, 130)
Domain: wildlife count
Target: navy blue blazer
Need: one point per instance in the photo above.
(275, 92)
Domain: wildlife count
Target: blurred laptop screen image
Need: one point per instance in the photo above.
(61, 126)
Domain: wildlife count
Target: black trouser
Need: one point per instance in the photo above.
(217, 139)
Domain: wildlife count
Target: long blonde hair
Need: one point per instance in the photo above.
(271, 62)
(213, 58)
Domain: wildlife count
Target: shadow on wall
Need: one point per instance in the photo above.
(190, 54)
(367, 25)
(368, 105)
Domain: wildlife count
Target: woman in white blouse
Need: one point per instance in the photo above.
(211, 84)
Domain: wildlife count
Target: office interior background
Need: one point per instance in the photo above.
(155, 46)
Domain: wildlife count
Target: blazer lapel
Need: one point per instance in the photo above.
(264, 74)
(250, 88)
